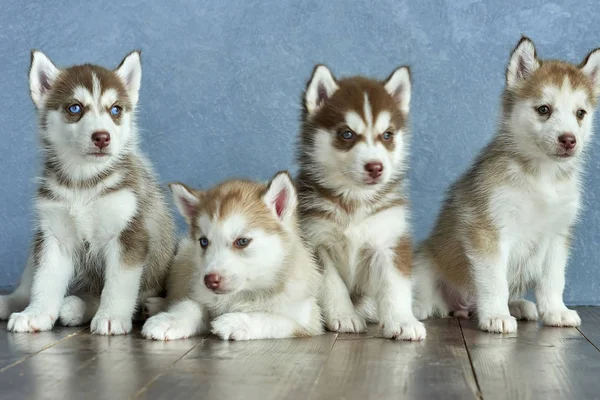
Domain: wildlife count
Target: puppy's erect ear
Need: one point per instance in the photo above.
(322, 85)
(42, 75)
(591, 67)
(399, 87)
(281, 196)
(186, 200)
(523, 62)
(130, 72)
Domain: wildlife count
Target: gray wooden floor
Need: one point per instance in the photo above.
(456, 361)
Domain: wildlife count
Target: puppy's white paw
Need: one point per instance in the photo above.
(524, 310)
(72, 311)
(561, 318)
(234, 326)
(104, 324)
(28, 321)
(153, 306)
(165, 326)
(352, 323)
(498, 324)
(411, 329)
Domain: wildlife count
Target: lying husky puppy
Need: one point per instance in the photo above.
(243, 271)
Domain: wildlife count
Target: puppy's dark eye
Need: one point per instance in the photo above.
(241, 243)
(347, 135)
(74, 109)
(580, 113)
(204, 242)
(543, 110)
(387, 136)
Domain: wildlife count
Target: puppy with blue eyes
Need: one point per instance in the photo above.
(104, 238)
(243, 272)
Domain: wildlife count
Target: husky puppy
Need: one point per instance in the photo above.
(506, 224)
(243, 270)
(104, 236)
(353, 200)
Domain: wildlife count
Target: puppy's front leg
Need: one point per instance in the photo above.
(549, 289)
(122, 278)
(52, 270)
(338, 311)
(489, 269)
(255, 325)
(393, 294)
(183, 319)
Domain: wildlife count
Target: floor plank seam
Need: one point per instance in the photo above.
(588, 339)
(28, 356)
(337, 335)
(151, 381)
(479, 394)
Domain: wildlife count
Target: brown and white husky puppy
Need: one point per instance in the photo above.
(104, 234)
(353, 200)
(506, 224)
(243, 272)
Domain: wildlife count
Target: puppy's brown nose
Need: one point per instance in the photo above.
(101, 139)
(567, 141)
(375, 169)
(212, 281)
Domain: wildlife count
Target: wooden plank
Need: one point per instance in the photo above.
(16, 347)
(536, 362)
(590, 324)
(93, 367)
(367, 366)
(260, 369)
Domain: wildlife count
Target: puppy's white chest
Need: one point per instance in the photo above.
(85, 216)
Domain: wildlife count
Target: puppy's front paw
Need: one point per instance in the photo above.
(165, 326)
(153, 306)
(104, 324)
(352, 323)
(29, 321)
(411, 329)
(72, 311)
(561, 318)
(234, 326)
(524, 310)
(498, 324)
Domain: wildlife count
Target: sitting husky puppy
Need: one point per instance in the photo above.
(506, 224)
(104, 234)
(244, 270)
(353, 200)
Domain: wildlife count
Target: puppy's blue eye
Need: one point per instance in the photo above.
(115, 110)
(347, 135)
(240, 243)
(204, 242)
(74, 108)
(387, 136)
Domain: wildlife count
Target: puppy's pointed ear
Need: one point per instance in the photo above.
(399, 87)
(322, 86)
(523, 62)
(42, 75)
(130, 72)
(186, 200)
(281, 197)
(591, 67)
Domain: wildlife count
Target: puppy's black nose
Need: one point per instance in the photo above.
(567, 141)
(212, 281)
(375, 169)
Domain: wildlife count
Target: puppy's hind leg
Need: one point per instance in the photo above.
(78, 310)
(19, 299)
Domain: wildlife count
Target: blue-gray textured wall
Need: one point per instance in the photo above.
(222, 83)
